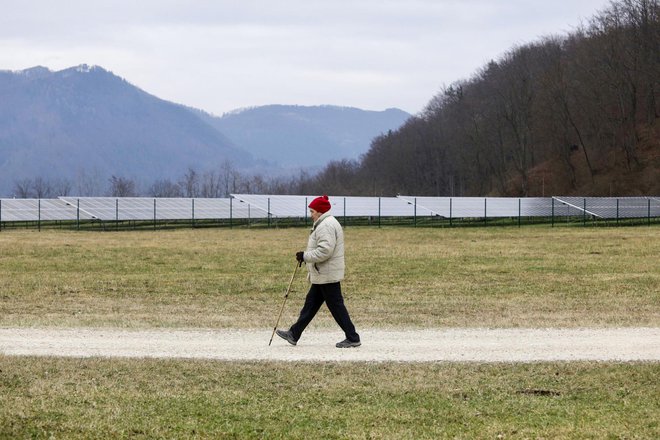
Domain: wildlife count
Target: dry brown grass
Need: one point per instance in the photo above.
(396, 277)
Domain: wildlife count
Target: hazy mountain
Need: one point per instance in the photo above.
(86, 123)
(301, 136)
(85, 120)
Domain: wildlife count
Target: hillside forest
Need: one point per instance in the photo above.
(573, 114)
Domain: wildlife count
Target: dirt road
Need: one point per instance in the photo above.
(454, 345)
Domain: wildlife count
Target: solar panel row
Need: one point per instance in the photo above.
(615, 207)
(251, 206)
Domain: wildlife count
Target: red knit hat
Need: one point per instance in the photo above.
(321, 204)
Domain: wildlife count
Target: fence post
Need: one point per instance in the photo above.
(485, 211)
(584, 212)
(519, 210)
(415, 213)
(379, 212)
(231, 214)
(117, 214)
(344, 211)
(450, 211)
(552, 221)
(269, 212)
(39, 214)
(78, 214)
(306, 211)
(617, 211)
(192, 211)
(649, 210)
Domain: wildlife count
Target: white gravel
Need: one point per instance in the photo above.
(453, 344)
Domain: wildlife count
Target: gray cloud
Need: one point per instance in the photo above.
(220, 55)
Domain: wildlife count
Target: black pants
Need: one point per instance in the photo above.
(331, 295)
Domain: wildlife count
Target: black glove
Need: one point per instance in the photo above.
(300, 257)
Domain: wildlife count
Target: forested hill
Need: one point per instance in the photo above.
(576, 114)
(84, 124)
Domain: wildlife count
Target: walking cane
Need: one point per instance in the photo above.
(288, 289)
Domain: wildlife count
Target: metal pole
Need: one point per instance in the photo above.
(584, 212)
(485, 211)
(116, 213)
(39, 215)
(450, 210)
(617, 211)
(193, 211)
(379, 212)
(286, 295)
(649, 210)
(552, 222)
(154, 214)
(78, 214)
(415, 212)
(269, 212)
(519, 211)
(306, 211)
(344, 211)
(231, 215)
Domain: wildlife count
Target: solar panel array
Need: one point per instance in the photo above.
(143, 208)
(22, 210)
(348, 206)
(251, 206)
(614, 207)
(487, 207)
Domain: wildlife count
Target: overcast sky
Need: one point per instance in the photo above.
(220, 55)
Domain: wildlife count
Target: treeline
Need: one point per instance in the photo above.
(569, 103)
(214, 183)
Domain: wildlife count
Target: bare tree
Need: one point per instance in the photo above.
(23, 189)
(41, 188)
(88, 184)
(122, 187)
(210, 185)
(190, 183)
(165, 188)
(229, 178)
(61, 187)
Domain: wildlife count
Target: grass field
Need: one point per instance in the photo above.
(114, 398)
(397, 277)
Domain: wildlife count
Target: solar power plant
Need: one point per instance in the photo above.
(613, 207)
(471, 207)
(146, 208)
(349, 206)
(399, 207)
(277, 206)
(250, 206)
(225, 208)
(112, 208)
(38, 209)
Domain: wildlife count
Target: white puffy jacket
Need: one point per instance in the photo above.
(325, 251)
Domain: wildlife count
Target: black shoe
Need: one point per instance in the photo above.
(287, 336)
(348, 344)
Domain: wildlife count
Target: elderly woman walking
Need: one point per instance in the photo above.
(324, 258)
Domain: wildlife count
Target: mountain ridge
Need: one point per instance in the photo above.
(306, 133)
(86, 121)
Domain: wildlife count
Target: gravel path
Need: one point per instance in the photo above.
(471, 345)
